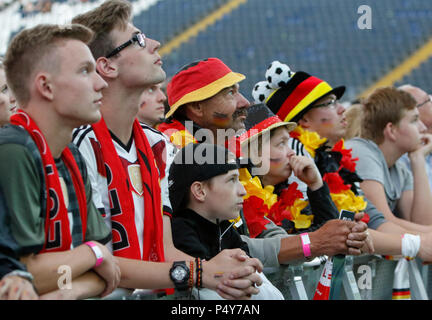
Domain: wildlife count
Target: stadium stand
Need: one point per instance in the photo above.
(420, 77)
(314, 35)
(170, 26)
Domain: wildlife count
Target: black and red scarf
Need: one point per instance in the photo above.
(122, 206)
(57, 228)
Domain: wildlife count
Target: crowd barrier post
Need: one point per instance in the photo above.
(349, 281)
(418, 290)
(295, 282)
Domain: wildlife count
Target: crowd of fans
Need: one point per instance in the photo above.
(192, 189)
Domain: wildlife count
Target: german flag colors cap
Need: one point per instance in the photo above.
(198, 81)
(291, 101)
(261, 119)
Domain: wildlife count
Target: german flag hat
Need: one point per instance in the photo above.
(259, 120)
(198, 81)
(294, 94)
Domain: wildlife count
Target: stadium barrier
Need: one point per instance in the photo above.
(366, 277)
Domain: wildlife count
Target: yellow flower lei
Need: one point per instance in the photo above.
(344, 200)
(182, 138)
(254, 187)
(311, 140)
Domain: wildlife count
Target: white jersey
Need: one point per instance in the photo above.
(300, 150)
(163, 149)
(87, 143)
(164, 152)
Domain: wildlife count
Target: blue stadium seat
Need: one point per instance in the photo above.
(318, 36)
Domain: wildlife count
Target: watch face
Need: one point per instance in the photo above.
(179, 273)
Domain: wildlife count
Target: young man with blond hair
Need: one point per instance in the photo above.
(52, 74)
(125, 178)
(391, 127)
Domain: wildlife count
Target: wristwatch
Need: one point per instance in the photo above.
(179, 274)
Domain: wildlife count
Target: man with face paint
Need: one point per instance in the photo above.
(313, 104)
(204, 94)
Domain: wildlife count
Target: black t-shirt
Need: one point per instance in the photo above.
(199, 237)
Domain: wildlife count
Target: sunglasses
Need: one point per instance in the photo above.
(138, 38)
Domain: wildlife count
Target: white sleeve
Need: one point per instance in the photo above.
(96, 180)
(300, 150)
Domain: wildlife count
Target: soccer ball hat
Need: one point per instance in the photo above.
(290, 95)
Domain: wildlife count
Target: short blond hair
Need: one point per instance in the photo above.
(383, 106)
(353, 115)
(102, 20)
(30, 49)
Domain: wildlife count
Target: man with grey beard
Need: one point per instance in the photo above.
(204, 94)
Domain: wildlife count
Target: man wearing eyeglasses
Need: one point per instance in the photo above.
(424, 107)
(327, 118)
(424, 104)
(123, 171)
(312, 103)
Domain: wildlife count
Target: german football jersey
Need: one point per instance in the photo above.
(164, 152)
(86, 141)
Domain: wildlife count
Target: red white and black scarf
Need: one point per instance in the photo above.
(57, 228)
(120, 187)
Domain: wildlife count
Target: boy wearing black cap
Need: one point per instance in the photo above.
(205, 193)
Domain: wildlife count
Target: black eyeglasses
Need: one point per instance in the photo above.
(423, 103)
(330, 103)
(139, 38)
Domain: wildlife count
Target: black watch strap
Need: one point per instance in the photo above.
(179, 274)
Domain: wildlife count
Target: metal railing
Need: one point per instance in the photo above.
(367, 277)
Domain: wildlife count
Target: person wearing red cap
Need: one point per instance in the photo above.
(270, 201)
(123, 170)
(204, 95)
(313, 104)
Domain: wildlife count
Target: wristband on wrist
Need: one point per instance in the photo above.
(199, 269)
(305, 245)
(191, 274)
(410, 245)
(97, 251)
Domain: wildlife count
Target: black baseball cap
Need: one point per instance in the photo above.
(197, 162)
